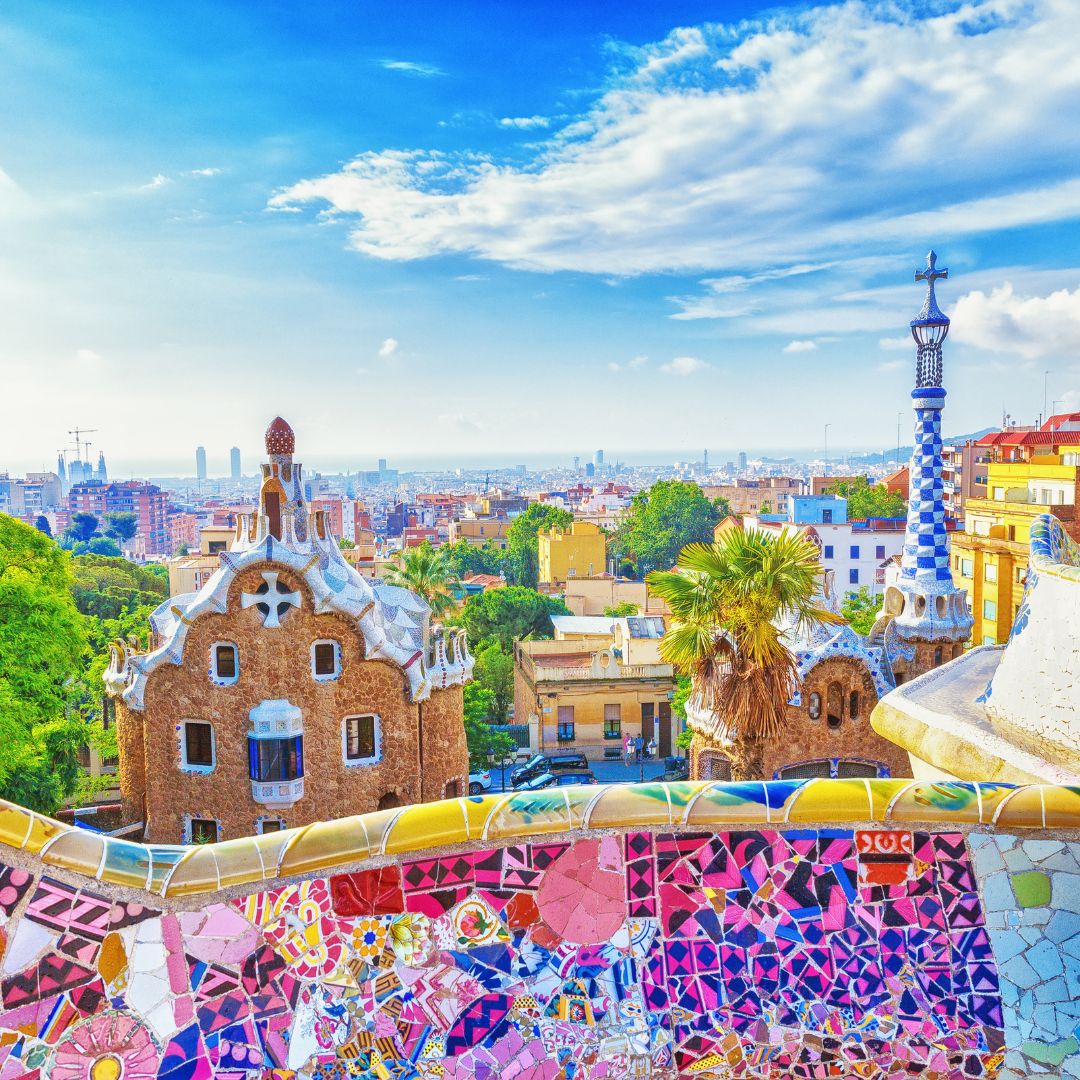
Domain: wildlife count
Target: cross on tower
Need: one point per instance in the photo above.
(931, 274)
(271, 599)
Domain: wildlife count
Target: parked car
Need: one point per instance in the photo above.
(676, 768)
(479, 781)
(575, 776)
(536, 783)
(548, 763)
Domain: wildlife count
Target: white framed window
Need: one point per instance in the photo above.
(361, 739)
(201, 830)
(989, 609)
(990, 571)
(967, 568)
(224, 663)
(325, 660)
(198, 747)
(265, 825)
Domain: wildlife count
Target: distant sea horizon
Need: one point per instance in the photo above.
(179, 468)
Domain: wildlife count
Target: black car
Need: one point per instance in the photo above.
(548, 763)
(676, 768)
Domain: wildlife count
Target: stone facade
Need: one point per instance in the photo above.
(234, 725)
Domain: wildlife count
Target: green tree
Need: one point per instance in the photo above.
(108, 588)
(662, 520)
(42, 525)
(345, 545)
(861, 610)
(96, 545)
(42, 647)
(466, 558)
(494, 671)
(81, 528)
(121, 525)
(621, 611)
(480, 738)
(521, 551)
(727, 601)
(508, 615)
(866, 500)
(428, 573)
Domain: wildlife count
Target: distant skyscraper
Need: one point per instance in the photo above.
(200, 462)
(742, 460)
(382, 464)
(705, 460)
(101, 473)
(577, 463)
(61, 469)
(590, 469)
(598, 459)
(234, 462)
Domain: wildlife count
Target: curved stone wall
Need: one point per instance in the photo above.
(871, 929)
(1035, 694)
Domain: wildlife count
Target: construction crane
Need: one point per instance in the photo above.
(86, 443)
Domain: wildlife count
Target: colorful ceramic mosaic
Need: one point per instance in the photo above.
(604, 949)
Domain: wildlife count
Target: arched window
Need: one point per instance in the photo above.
(937, 657)
(389, 801)
(835, 705)
(853, 705)
(815, 707)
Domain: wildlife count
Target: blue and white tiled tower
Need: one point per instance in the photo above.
(927, 605)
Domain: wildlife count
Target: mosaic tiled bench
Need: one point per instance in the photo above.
(829, 928)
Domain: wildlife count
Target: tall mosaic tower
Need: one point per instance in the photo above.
(934, 615)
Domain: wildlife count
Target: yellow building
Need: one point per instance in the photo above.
(577, 552)
(601, 680)
(1027, 473)
(188, 573)
(481, 530)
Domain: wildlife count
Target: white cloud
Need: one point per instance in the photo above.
(156, 182)
(1036, 327)
(891, 344)
(411, 67)
(204, 172)
(87, 356)
(460, 424)
(388, 348)
(800, 346)
(630, 365)
(524, 122)
(791, 141)
(683, 365)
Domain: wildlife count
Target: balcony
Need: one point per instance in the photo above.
(551, 673)
(277, 792)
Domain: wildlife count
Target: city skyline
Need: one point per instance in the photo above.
(618, 229)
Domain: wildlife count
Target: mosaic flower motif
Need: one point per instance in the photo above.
(368, 938)
(409, 935)
(110, 1046)
(476, 924)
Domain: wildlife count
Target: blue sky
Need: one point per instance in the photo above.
(497, 230)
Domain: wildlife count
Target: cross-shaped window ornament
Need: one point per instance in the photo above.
(271, 599)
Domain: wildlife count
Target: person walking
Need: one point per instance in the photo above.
(628, 748)
(637, 747)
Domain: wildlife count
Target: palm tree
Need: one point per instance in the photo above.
(731, 603)
(428, 573)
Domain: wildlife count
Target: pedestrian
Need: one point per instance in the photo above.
(650, 750)
(628, 748)
(637, 747)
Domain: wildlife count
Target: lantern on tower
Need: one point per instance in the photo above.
(930, 327)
